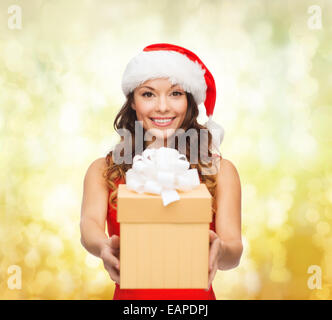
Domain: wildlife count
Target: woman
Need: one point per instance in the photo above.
(164, 85)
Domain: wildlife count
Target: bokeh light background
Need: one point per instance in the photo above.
(60, 77)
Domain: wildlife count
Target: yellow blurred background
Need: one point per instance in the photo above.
(60, 89)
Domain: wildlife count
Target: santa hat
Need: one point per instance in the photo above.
(181, 66)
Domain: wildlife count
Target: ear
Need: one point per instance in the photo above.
(133, 106)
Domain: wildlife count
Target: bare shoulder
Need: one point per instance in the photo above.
(96, 170)
(99, 163)
(228, 172)
(228, 166)
(95, 192)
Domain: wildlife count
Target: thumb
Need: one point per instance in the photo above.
(115, 241)
(212, 235)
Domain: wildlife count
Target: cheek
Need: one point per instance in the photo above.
(143, 109)
(183, 103)
(182, 108)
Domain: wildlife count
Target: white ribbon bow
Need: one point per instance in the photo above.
(161, 171)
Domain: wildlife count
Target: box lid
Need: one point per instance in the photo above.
(194, 206)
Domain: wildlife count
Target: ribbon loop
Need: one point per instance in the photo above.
(161, 171)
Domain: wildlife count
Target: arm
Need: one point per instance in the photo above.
(228, 216)
(94, 209)
(226, 244)
(93, 218)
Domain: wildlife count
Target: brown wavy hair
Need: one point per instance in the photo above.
(126, 118)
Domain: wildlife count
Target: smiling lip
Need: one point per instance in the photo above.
(164, 124)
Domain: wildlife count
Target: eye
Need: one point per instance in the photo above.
(147, 94)
(179, 93)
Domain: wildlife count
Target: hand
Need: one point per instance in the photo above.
(214, 256)
(110, 253)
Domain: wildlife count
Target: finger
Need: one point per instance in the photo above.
(212, 236)
(208, 285)
(111, 260)
(114, 274)
(115, 262)
(214, 249)
(211, 276)
(115, 242)
(115, 245)
(115, 252)
(209, 280)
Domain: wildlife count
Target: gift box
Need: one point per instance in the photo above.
(164, 246)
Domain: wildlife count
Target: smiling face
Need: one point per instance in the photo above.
(161, 107)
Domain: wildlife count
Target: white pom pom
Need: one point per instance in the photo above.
(217, 132)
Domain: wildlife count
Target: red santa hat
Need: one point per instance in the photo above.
(180, 66)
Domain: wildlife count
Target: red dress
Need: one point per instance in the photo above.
(154, 294)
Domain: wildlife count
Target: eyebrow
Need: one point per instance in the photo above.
(155, 89)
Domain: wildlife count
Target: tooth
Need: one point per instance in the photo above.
(162, 121)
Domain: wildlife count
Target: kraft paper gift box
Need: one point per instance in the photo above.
(164, 246)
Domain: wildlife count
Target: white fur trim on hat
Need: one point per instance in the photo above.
(165, 64)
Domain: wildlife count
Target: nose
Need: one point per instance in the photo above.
(162, 104)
